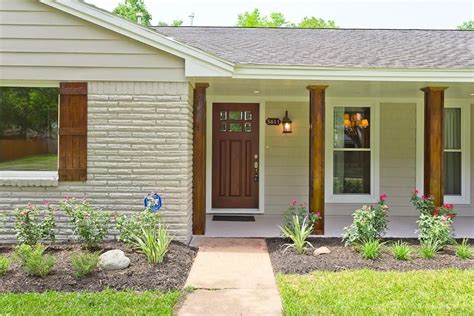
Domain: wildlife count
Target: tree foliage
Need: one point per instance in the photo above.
(25, 109)
(467, 26)
(132, 9)
(277, 19)
(174, 23)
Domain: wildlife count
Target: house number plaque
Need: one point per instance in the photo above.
(273, 121)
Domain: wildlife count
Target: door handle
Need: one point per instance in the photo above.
(255, 166)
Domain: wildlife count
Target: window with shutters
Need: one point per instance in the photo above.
(29, 129)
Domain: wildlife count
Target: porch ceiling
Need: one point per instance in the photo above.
(360, 89)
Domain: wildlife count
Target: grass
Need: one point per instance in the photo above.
(31, 163)
(368, 292)
(80, 303)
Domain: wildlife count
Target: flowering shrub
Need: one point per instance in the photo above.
(435, 224)
(370, 223)
(300, 210)
(133, 225)
(90, 224)
(32, 227)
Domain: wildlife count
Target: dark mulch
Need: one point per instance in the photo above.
(345, 258)
(139, 276)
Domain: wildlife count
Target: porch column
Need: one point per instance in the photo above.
(316, 153)
(434, 144)
(199, 158)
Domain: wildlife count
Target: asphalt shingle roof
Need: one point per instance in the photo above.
(367, 48)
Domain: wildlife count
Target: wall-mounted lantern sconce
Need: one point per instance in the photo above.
(287, 128)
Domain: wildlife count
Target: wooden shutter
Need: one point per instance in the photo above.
(73, 131)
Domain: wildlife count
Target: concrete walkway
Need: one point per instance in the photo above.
(231, 276)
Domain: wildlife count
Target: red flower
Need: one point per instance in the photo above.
(383, 197)
(416, 192)
(448, 206)
(450, 215)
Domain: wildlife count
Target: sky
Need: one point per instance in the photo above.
(420, 14)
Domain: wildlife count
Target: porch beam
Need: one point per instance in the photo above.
(434, 143)
(316, 152)
(199, 158)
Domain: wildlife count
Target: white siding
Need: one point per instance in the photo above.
(40, 43)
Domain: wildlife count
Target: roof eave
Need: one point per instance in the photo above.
(195, 59)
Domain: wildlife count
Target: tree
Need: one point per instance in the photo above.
(467, 26)
(132, 10)
(174, 23)
(277, 19)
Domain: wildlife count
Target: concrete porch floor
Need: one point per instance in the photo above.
(267, 226)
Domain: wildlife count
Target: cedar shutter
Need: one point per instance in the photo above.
(73, 131)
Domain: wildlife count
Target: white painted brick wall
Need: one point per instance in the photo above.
(139, 140)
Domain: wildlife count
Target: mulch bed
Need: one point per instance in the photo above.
(345, 258)
(139, 276)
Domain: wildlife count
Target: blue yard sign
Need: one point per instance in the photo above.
(152, 202)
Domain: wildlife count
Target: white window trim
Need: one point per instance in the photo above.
(465, 107)
(375, 157)
(29, 178)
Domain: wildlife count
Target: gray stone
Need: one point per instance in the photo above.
(321, 251)
(113, 260)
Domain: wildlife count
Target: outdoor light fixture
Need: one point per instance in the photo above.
(286, 124)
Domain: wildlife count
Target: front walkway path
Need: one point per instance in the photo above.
(231, 276)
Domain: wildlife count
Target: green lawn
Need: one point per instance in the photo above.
(31, 163)
(81, 303)
(367, 292)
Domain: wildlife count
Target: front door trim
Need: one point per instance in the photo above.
(261, 183)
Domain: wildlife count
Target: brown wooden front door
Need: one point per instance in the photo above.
(235, 155)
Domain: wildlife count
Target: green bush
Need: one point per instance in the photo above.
(435, 225)
(429, 248)
(369, 223)
(463, 250)
(154, 243)
(4, 265)
(129, 225)
(31, 227)
(91, 225)
(34, 261)
(298, 232)
(298, 209)
(84, 263)
(371, 249)
(401, 250)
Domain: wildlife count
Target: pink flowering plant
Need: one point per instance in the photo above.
(301, 211)
(33, 225)
(369, 223)
(90, 225)
(435, 225)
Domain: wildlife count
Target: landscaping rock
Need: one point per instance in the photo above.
(113, 260)
(321, 251)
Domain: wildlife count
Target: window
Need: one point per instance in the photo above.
(351, 155)
(28, 129)
(456, 154)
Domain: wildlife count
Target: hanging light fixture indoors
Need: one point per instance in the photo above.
(287, 128)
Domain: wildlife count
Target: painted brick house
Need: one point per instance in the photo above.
(190, 112)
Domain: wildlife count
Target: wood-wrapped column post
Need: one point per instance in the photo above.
(316, 153)
(434, 143)
(199, 159)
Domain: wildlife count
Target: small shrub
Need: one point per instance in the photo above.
(154, 243)
(463, 250)
(84, 263)
(90, 224)
(130, 225)
(429, 249)
(32, 228)
(401, 250)
(34, 261)
(435, 224)
(371, 249)
(298, 209)
(370, 223)
(298, 233)
(4, 265)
